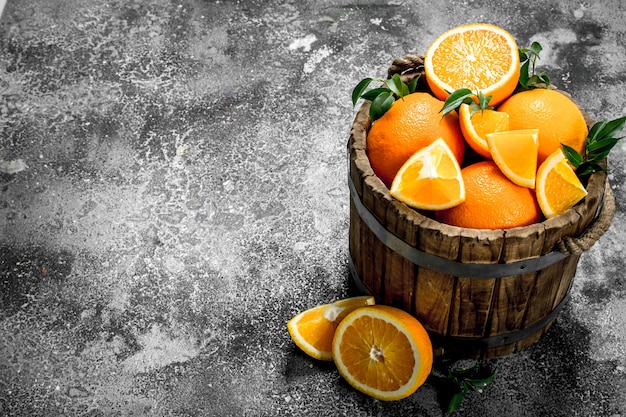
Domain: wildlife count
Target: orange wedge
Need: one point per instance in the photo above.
(313, 330)
(477, 56)
(475, 126)
(383, 352)
(515, 153)
(430, 179)
(558, 187)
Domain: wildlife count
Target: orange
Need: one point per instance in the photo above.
(475, 126)
(478, 56)
(313, 330)
(412, 123)
(492, 201)
(557, 117)
(430, 179)
(383, 352)
(515, 153)
(558, 187)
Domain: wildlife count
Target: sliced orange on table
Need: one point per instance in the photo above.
(515, 153)
(558, 188)
(383, 352)
(430, 179)
(312, 330)
(478, 56)
(476, 124)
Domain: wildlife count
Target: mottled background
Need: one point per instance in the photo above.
(173, 190)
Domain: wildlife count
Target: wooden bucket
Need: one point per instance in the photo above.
(479, 293)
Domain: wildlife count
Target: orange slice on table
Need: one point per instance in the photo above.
(312, 330)
(430, 179)
(475, 126)
(515, 153)
(558, 187)
(478, 56)
(383, 352)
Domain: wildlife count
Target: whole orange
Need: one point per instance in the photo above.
(412, 123)
(557, 117)
(492, 201)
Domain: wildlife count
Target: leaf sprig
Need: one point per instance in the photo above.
(382, 98)
(477, 101)
(465, 379)
(602, 137)
(527, 77)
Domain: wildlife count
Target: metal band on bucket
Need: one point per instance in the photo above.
(459, 343)
(449, 266)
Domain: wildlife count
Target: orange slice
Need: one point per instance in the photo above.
(313, 330)
(475, 126)
(515, 153)
(558, 187)
(430, 179)
(383, 352)
(477, 56)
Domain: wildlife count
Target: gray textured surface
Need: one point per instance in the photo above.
(174, 190)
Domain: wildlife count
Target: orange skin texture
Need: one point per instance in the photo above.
(492, 201)
(412, 123)
(557, 117)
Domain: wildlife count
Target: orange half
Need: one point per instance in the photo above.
(312, 330)
(430, 179)
(558, 187)
(476, 126)
(515, 153)
(383, 352)
(478, 56)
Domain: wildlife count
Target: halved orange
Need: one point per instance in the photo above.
(515, 153)
(312, 330)
(430, 179)
(478, 56)
(558, 187)
(475, 126)
(383, 352)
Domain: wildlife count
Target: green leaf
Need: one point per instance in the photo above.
(374, 92)
(455, 402)
(413, 84)
(536, 48)
(572, 155)
(381, 104)
(359, 89)
(612, 128)
(456, 98)
(396, 85)
(481, 382)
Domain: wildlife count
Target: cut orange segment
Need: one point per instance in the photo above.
(383, 352)
(558, 187)
(430, 180)
(475, 126)
(478, 56)
(313, 330)
(515, 153)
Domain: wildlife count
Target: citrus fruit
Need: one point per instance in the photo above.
(558, 187)
(557, 117)
(478, 56)
(475, 126)
(411, 123)
(383, 351)
(430, 179)
(312, 330)
(492, 201)
(515, 153)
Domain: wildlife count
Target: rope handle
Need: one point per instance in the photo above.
(584, 242)
(408, 62)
